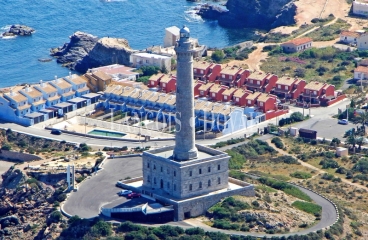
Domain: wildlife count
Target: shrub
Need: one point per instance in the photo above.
(301, 175)
(328, 163)
(361, 166)
(278, 143)
(6, 147)
(56, 216)
(307, 207)
(101, 228)
(218, 56)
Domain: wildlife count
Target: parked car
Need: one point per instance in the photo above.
(119, 184)
(124, 192)
(55, 131)
(343, 121)
(134, 195)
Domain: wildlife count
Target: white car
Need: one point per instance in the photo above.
(124, 192)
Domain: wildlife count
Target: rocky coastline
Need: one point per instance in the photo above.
(86, 51)
(263, 14)
(18, 30)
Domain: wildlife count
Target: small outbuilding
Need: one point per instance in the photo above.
(307, 133)
(341, 152)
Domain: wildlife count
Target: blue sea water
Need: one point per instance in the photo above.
(141, 22)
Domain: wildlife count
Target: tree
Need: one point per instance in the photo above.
(149, 70)
(164, 69)
(362, 118)
(351, 140)
(218, 56)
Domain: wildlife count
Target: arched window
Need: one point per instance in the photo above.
(200, 184)
(209, 183)
(148, 179)
(218, 180)
(154, 180)
(168, 185)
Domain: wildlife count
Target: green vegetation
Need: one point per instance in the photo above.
(228, 142)
(330, 32)
(278, 143)
(328, 163)
(285, 187)
(229, 53)
(294, 117)
(236, 160)
(308, 207)
(361, 166)
(278, 37)
(301, 175)
(147, 72)
(328, 64)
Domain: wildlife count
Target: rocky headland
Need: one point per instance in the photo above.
(86, 51)
(264, 14)
(19, 30)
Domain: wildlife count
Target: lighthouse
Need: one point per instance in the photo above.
(185, 148)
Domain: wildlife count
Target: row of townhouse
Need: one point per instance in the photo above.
(356, 38)
(162, 107)
(46, 100)
(284, 87)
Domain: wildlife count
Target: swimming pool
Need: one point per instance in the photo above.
(106, 133)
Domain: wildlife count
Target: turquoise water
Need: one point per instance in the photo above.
(106, 133)
(141, 22)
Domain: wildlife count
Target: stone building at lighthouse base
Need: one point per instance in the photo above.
(190, 186)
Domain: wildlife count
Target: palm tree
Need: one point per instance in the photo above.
(362, 118)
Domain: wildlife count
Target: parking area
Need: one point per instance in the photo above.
(100, 190)
(327, 128)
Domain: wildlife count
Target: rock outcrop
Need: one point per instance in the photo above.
(20, 30)
(265, 14)
(86, 51)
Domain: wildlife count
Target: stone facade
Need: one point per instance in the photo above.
(185, 179)
(184, 136)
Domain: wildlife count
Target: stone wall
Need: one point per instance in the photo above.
(17, 156)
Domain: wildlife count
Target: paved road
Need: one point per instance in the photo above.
(100, 189)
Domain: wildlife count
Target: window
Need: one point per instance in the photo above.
(154, 167)
(286, 88)
(225, 97)
(161, 169)
(202, 71)
(315, 92)
(174, 173)
(190, 173)
(163, 84)
(258, 82)
(237, 99)
(200, 184)
(190, 187)
(168, 185)
(209, 169)
(213, 94)
(249, 101)
(148, 179)
(152, 82)
(261, 104)
(154, 180)
(279, 86)
(174, 187)
(223, 75)
(148, 165)
(200, 171)
(202, 93)
(209, 183)
(218, 167)
(218, 180)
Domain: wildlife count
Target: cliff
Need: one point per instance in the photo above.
(86, 51)
(265, 14)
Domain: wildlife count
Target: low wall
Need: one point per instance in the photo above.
(273, 114)
(17, 156)
(339, 98)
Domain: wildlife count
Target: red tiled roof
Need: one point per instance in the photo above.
(299, 41)
(349, 34)
(361, 69)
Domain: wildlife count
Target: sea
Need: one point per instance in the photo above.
(141, 22)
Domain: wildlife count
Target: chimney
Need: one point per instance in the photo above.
(70, 75)
(57, 80)
(42, 84)
(11, 92)
(28, 88)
